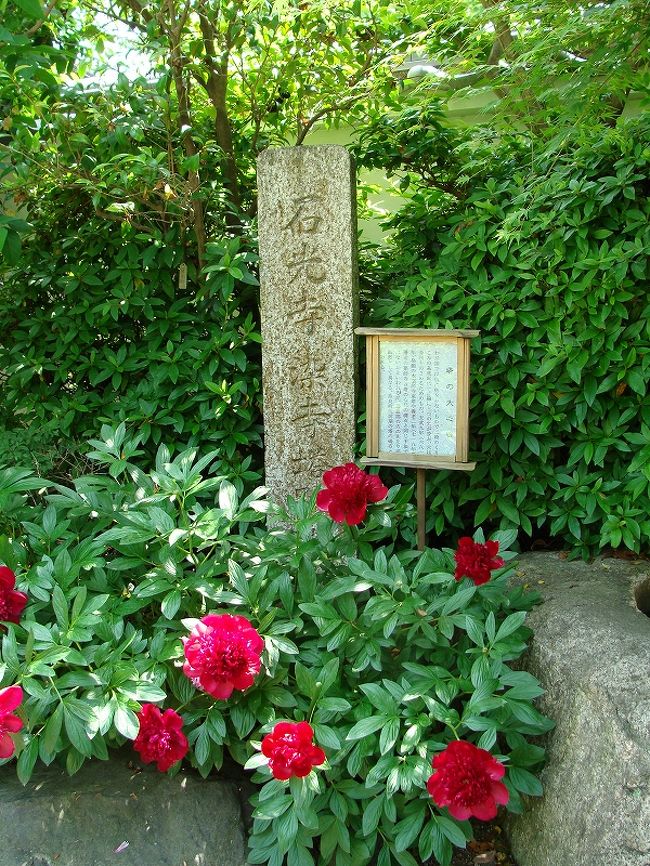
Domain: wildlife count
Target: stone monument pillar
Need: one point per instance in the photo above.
(309, 306)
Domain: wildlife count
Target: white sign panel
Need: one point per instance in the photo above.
(418, 393)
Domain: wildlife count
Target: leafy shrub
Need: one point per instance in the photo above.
(385, 654)
(35, 447)
(544, 248)
(99, 330)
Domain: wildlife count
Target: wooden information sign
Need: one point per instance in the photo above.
(417, 401)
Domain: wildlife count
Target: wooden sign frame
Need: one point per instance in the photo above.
(374, 339)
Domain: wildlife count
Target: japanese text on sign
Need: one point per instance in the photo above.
(418, 397)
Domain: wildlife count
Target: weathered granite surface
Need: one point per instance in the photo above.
(309, 309)
(58, 820)
(591, 651)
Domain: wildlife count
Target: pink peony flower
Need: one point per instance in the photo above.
(291, 750)
(12, 602)
(466, 781)
(160, 738)
(475, 560)
(10, 698)
(348, 490)
(222, 653)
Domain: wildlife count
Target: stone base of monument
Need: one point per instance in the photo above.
(591, 651)
(114, 814)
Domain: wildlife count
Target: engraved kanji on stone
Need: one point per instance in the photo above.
(308, 263)
(304, 219)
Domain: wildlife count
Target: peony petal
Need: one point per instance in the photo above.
(240, 621)
(304, 731)
(11, 723)
(280, 771)
(496, 770)
(355, 514)
(7, 578)
(7, 747)
(255, 642)
(375, 490)
(437, 789)
(336, 511)
(323, 499)
(500, 793)
(461, 813)
(317, 756)
(243, 681)
(172, 720)
(282, 729)
(10, 698)
(17, 599)
(485, 811)
(217, 688)
(331, 476)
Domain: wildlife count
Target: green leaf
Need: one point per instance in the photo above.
(406, 831)
(52, 731)
(228, 499)
(126, 722)
(238, 579)
(305, 681)
(637, 382)
(524, 781)
(452, 831)
(171, 604)
(510, 625)
(77, 733)
(366, 727)
(371, 815)
(60, 607)
(388, 736)
(27, 761)
(379, 698)
(202, 746)
(460, 599)
(286, 827)
(32, 8)
(326, 737)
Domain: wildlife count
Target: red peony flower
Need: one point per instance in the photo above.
(223, 652)
(160, 737)
(10, 698)
(12, 602)
(348, 490)
(475, 560)
(466, 781)
(291, 750)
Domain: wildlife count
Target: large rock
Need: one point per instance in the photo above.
(591, 651)
(85, 820)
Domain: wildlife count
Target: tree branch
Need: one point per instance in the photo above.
(217, 87)
(35, 27)
(177, 63)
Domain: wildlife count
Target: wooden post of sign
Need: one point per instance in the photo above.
(421, 475)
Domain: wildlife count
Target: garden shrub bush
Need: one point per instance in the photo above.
(542, 246)
(98, 330)
(384, 654)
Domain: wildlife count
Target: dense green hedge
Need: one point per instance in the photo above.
(546, 252)
(97, 330)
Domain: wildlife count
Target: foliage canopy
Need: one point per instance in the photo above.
(129, 273)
